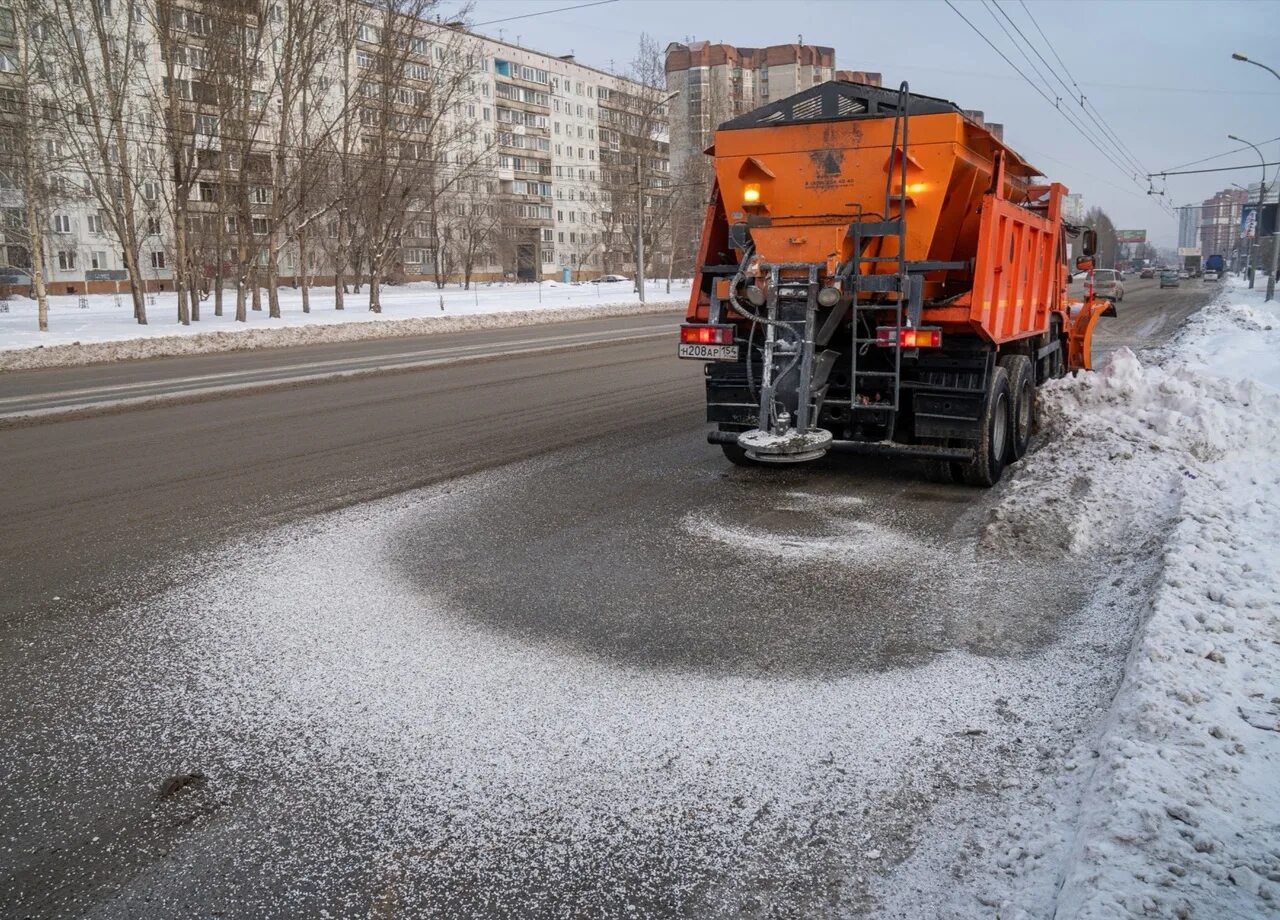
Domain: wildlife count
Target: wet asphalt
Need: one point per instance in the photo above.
(620, 539)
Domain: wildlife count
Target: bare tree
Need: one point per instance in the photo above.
(416, 142)
(98, 53)
(635, 157)
(27, 149)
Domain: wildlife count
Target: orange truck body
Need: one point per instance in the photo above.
(814, 178)
(879, 273)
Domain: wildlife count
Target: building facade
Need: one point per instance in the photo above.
(1220, 224)
(533, 162)
(716, 82)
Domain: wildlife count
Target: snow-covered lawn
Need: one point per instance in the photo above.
(100, 327)
(1171, 460)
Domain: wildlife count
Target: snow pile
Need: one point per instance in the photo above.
(104, 330)
(1174, 463)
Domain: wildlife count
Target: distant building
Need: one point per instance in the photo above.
(1220, 222)
(717, 82)
(1189, 221)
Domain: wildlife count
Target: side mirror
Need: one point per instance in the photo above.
(1084, 263)
(1090, 242)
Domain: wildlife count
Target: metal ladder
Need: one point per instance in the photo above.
(907, 287)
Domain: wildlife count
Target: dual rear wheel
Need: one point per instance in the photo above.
(1004, 429)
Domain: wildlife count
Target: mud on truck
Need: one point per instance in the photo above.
(878, 273)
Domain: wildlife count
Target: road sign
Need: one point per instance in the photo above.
(1131, 236)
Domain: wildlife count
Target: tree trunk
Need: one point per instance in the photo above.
(193, 292)
(304, 272)
(241, 292)
(35, 247)
(218, 281)
(273, 283)
(375, 285)
(255, 288)
(136, 284)
(179, 269)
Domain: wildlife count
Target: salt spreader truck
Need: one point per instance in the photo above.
(878, 273)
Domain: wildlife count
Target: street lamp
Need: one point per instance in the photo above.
(1240, 57)
(1262, 194)
(640, 203)
(1275, 237)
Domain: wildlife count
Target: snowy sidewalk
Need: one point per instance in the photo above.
(1171, 461)
(103, 328)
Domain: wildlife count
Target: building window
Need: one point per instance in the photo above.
(95, 223)
(66, 260)
(97, 259)
(61, 223)
(157, 258)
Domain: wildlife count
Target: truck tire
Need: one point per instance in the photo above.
(1022, 403)
(993, 434)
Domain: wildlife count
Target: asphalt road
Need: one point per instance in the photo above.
(540, 557)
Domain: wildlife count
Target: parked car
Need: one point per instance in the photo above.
(1147, 273)
(1169, 279)
(613, 279)
(1184, 275)
(1210, 275)
(1107, 283)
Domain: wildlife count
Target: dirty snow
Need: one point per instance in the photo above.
(104, 330)
(1168, 460)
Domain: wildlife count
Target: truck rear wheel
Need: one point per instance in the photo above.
(993, 433)
(1022, 402)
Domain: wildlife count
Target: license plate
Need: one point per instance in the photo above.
(709, 352)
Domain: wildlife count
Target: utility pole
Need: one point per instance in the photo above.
(1262, 196)
(640, 197)
(640, 225)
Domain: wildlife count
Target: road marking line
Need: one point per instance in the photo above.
(277, 383)
(351, 362)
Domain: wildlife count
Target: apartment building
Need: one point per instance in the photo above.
(717, 82)
(1220, 223)
(529, 173)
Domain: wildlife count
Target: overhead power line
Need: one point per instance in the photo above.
(1085, 104)
(1065, 113)
(1189, 172)
(1218, 156)
(562, 9)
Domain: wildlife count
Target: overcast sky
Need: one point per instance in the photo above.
(1160, 73)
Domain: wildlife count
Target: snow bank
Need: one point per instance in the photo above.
(1171, 460)
(103, 329)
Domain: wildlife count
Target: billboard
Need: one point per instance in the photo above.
(1248, 223)
(1188, 251)
(1131, 236)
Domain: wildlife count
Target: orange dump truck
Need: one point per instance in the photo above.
(878, 273)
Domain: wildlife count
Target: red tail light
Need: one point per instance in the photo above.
(705, 334)
(921, 337)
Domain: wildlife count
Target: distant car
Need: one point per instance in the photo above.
(1168, 279)
(1107, 283)
(1184, 275)
(1148, 273)
(613, 279)
(1210, 275)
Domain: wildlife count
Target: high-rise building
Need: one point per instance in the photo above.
(1220, 223)
(717, 82)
